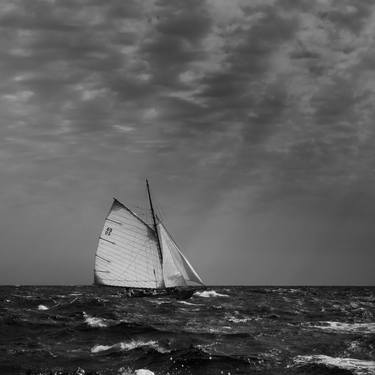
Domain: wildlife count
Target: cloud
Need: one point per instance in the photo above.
(200, 67)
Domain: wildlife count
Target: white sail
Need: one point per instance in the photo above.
(127, 253)
(192, 274)
(176, 268)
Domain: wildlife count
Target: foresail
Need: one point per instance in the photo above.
(176, 268)
(191, 272)
(127, 253)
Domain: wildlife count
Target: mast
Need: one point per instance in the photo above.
(154, 220)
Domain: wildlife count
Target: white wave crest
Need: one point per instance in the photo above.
(357, 366)
(42, 307)
(209, 293)
(142, 371)
(126, 346)
(101, 348)
(234, 319)
(128, 371)
(189, 303)
(346, 327)
(94, 322)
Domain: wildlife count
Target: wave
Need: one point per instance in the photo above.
(235, 319)
(189, 303)
(209, 293)
(127, 346)
(357, 366)
(94, 322)
(142, 371)
(345, 327)
(80, 303)
(128, 371)
(158, 301)
(118, 326)
(80, 370)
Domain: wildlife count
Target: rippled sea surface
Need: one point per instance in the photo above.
(222, 330)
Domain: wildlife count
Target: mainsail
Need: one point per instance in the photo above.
(127, 253)
(133, 254)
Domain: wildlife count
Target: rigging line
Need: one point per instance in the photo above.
(128, 221)
(171, 237)
(159, 213)
(162, 214)
(139, 211)
(130, 228)
(142, 237)
(131, 212)
(113, 221)
(121, 218)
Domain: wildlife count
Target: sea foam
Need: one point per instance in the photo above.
(210, 293)
(346, 327)
(126, 346)
(235, 319)
(142, 371)
(94, 322)
(358, 367)
(128, 371)
(188, 303)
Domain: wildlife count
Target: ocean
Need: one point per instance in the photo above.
(221, 330)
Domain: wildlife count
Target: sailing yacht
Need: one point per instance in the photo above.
(142, 259)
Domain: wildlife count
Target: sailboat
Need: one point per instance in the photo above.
(142, 259)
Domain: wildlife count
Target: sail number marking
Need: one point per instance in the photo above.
(108, 231)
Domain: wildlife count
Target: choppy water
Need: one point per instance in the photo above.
(223, 330)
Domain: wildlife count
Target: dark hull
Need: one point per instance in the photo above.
(176, 292)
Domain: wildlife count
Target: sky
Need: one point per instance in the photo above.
(252, 119)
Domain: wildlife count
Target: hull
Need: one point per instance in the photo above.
(176, 292)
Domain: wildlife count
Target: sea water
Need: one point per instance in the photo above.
(221, 330)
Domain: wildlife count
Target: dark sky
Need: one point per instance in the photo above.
(253, 120)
